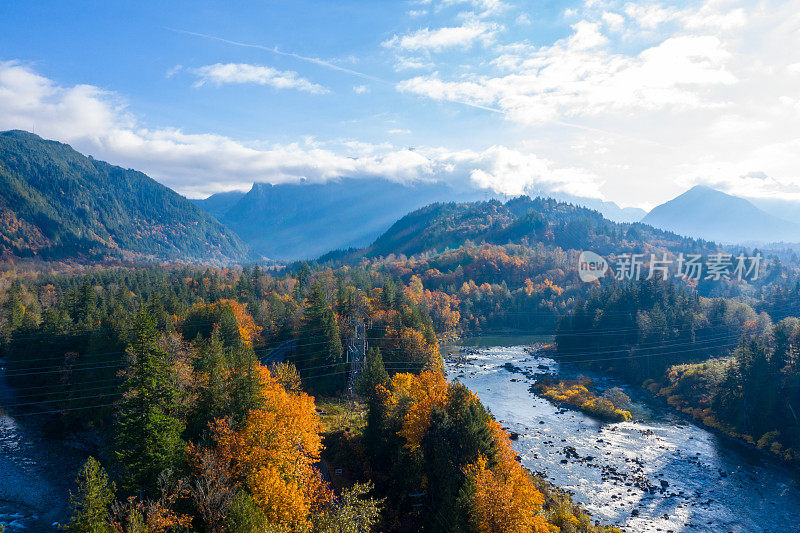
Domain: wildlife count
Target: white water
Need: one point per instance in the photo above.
(709, 483)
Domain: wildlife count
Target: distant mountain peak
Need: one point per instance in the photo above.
(704, 188)
(707, 213)
(303, 220)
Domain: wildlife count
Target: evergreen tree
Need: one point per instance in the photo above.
(212, 398)
(459, 434)
(148, 432)
(244, 388)
(90, 505)
(319, 355)
(374, 373)
(228, 327)
(333, 341)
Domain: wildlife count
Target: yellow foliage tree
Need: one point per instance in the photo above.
(274, 455)
(414, 348)
(503, 498)
(427, 390)
(248, 330)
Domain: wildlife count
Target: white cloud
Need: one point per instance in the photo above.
(361, 89)
(587, 35)
(482, 8)
(649, 16)
(399, 131)
(97, 123)
(572, 78)
(614, 21)
(651, 97)
(441, 38)
(512, 172)
(241, 73)
(412, 63)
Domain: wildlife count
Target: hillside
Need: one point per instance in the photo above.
(56, 203)
(522, 220)
(706, 213)
(304, 220)
(218, 204)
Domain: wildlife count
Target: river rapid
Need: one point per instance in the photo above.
(658, 472)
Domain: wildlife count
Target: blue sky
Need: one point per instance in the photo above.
(130, 49)
(628, 101)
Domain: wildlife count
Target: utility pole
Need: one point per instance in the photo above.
(357, 349)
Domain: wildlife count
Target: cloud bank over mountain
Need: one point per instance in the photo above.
(99, 123)
(609, 99)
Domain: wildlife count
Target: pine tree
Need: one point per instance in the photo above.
(333, 342)
(320, 361)
(148, 433)
(90, 505)
(374, 373)
(228, 327)
(212, 399)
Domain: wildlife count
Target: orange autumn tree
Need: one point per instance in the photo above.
(274, 454)
(229, 315)
(427, 390)
(467, 464)
(248, 330)
(502, 497)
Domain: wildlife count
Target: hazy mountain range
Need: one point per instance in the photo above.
(305, 220)
(58, 204)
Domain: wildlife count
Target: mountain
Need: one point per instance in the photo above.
(219, 203)
(788, 210)
(523, 220)
(56, 203)
(706, 213)
(304, 220)
(609, 210)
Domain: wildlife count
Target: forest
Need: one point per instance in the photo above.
(730, 365)
(220, 399)
(169, 370)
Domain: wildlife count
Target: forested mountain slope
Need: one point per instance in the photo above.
(303, 220)
(522, 220)
(291, 221)
(56, 203)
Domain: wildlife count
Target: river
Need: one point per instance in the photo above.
(658, 472)
(35, 471)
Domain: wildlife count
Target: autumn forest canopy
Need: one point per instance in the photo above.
(215, 391)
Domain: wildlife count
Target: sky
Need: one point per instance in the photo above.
(627, 101)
